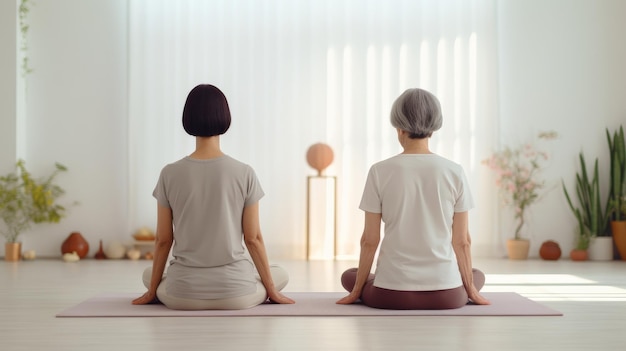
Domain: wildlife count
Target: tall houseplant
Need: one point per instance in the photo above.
(592, 220)
(23, 11)
(517, 178)
(616, 204)
(25, 200)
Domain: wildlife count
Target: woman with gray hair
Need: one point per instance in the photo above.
(424, 260)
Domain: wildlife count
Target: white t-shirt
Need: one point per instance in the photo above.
(417, 195)
(207, 198)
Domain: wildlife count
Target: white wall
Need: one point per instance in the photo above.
(8, 76)
(76, 102)
(561, 68)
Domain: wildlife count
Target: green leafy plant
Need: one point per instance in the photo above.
(617, 194)
(25, 200)
(588, 212)
(23, 11)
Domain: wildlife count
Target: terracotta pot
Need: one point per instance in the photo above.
(319, 156)
(618, 228)
(12, 252)
(518, 249)
(75, 242)
(579, 255)
(550, 250)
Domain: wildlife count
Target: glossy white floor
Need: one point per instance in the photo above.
(592, 296)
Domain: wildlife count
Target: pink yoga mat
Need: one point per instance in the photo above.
(307, 304)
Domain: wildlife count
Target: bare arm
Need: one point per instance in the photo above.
(254, 242)
(461, 242)
(369, 244)
(162, 246)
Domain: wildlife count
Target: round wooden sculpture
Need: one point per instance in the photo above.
(319, 156)
(550, 250)
(75, 243)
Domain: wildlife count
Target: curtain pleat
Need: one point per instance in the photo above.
(301, 72)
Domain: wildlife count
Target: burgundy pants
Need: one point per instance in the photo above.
(376, 297)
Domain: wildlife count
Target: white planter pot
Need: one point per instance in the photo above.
(601, 248)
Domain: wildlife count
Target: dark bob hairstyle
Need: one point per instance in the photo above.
(206, 112)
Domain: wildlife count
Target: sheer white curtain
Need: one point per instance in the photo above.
(300, 72)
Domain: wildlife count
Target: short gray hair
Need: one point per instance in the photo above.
(417, 112)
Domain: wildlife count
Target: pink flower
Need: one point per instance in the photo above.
(516, 173)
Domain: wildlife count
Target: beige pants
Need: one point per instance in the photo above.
(279, 275)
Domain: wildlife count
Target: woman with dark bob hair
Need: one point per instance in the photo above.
(207, 208)
(424, 260)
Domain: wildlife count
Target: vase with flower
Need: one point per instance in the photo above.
(517, 177)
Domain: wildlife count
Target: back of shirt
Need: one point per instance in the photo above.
(207, 198)
(417, 195)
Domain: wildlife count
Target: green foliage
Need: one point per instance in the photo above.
(23, 11)
(616, 204)
(589, 214)
(25, 200)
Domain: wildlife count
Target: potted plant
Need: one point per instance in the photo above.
(618, 230)
(592, 220)
(25, 200)
(616, 204)
(517, 178)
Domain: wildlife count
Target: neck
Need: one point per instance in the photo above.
(207, 148)
(415, 146)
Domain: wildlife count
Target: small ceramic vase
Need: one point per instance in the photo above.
(578, 255)
(29, 255)
(115, 250)
(133, 254)
(550, 251)
(100, 254)
(75, 243)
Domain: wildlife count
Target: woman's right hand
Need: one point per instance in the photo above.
(350, 299)
(477, 298)
(148, 298)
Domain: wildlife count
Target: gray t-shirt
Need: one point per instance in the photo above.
(207, 198)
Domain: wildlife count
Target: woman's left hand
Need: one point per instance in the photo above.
(278, 297)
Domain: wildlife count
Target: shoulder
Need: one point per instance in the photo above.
(173, 166)
(447, 163)
(386, 163)
(234, 163)
(451, 171)
(237, 169)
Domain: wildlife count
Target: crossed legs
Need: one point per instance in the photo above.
(279, 275)
(376, 297)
